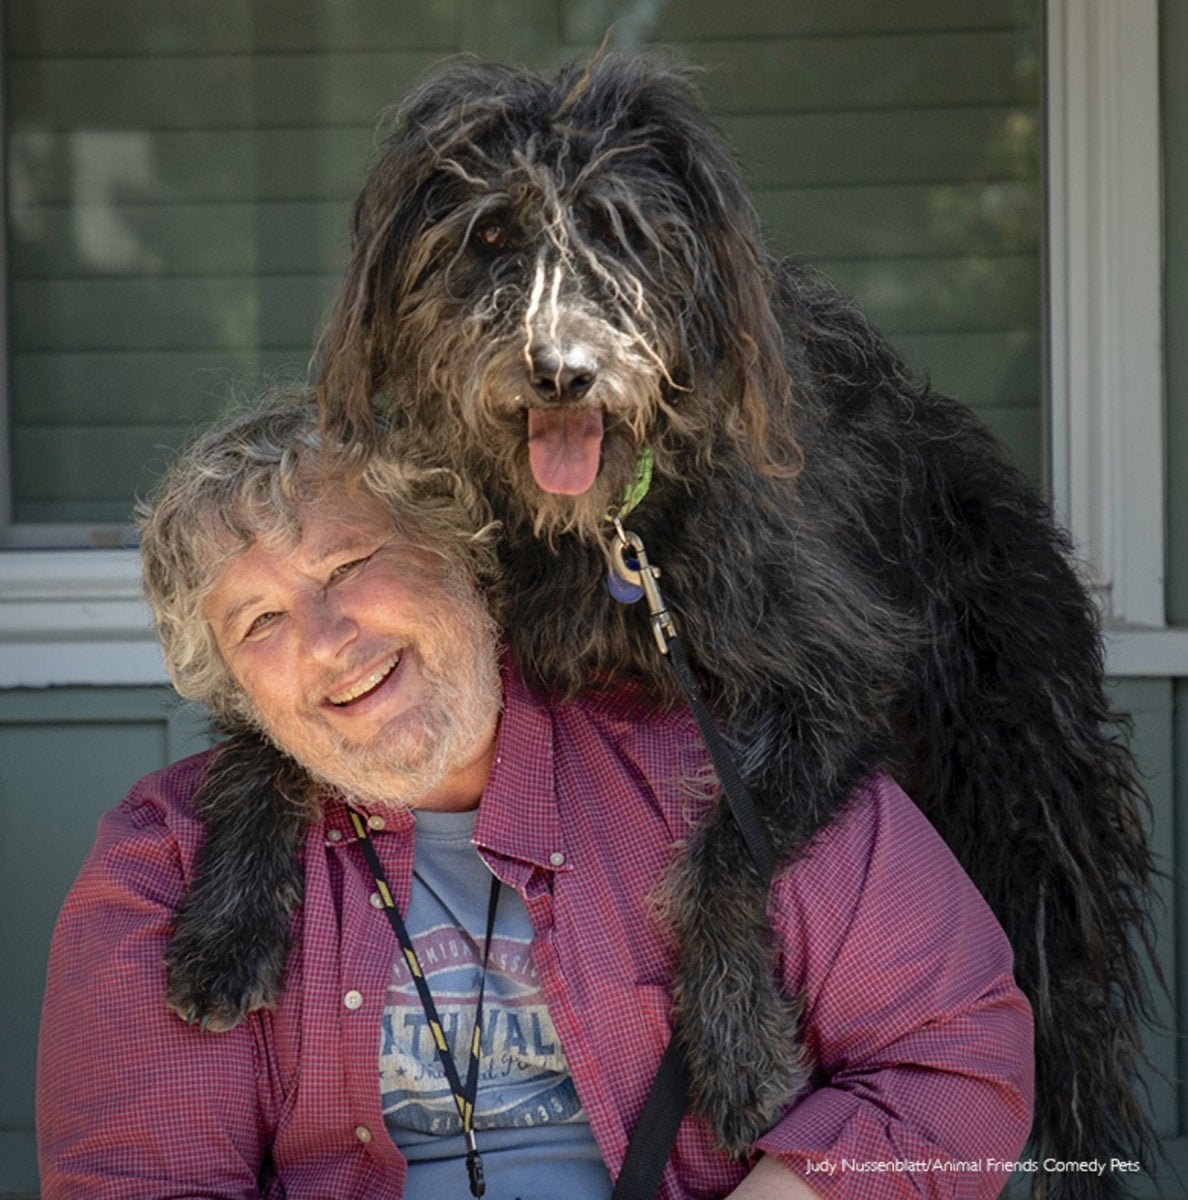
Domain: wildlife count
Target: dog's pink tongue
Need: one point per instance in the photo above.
(565, 448)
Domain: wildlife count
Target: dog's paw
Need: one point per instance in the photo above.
(746, 1087)
(215, 980)
(737, 1127)
(216, 1006)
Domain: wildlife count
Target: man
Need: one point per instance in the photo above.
(524, 843)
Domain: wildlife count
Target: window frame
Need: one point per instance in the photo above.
(1106, 390)
(78, 617)
(5, 449)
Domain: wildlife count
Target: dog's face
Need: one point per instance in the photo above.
(549, 276)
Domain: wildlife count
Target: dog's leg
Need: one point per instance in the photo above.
(231, 932)
(740, 1033)
(1006, 739)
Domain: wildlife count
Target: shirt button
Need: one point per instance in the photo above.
(334, 835)
(363, 1134)
(557, 859)
(377, 901)
(353, 1000)
(375, 822)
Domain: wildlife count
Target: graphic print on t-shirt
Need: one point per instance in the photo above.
(523, 1077)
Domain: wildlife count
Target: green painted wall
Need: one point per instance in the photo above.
(1173, 35)
(66, 756)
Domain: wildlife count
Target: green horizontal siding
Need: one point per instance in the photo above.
(244, 91)
(222, 165)
(245, 312)
(707, 20)
(935, 145)
(1174, 45)
(903, 221)
(237, 314)
(990, 370)
(138, 387)
(181, 179)
(851, 73)
(130, 238)
(971, 295)
(338, 88)
(80, 463)
(86, 27)
(184, 240)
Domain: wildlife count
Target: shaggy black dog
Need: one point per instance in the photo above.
(551, 276)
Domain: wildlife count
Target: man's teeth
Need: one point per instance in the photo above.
(366, 685)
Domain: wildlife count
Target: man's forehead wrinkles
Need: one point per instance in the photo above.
(324, 539)
(335, 543)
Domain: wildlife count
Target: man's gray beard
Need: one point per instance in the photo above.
(367, 775)
(461, 712)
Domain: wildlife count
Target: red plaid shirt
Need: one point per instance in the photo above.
(922, 1039)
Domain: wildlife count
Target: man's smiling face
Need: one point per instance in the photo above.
(361, 656)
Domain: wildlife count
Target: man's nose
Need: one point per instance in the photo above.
(326, 627)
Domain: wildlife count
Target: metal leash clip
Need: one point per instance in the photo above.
(474, 1166)
(632, 566)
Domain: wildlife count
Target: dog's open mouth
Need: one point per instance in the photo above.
(565, 448)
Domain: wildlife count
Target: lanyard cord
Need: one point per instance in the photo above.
(464, 1096)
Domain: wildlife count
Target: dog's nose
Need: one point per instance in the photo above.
(556, 379)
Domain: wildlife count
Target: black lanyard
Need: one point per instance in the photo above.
(464, 1096)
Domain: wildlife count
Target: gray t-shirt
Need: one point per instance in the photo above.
(532, 1131)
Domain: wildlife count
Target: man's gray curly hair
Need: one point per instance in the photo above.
(241, 481)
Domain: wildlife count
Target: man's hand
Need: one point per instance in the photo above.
(769, 1180)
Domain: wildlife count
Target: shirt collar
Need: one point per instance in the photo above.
(518, 815)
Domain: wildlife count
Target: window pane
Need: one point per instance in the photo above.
(179, 179)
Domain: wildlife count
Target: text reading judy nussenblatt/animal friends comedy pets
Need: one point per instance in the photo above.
(1028, 1166)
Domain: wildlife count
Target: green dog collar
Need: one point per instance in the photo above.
(637, 489)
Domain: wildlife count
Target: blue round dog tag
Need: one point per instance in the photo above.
(625, 591)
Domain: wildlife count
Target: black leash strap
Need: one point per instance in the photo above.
(738, 795)
(633, 571)
(464, 1094)
(656, 1130)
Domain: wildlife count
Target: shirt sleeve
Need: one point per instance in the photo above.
(922, 1040)
(131, 1101)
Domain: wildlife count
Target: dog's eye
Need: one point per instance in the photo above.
(491, 234)
(607, 228)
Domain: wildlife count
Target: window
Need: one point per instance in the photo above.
(179, 182)
(179, 179)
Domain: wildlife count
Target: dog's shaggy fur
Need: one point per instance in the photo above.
(547, 276)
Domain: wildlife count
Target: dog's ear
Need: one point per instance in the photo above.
(431, 144)
(749, 334)
(353, 346)
(740, 300)
(390, 209)
(736, 288)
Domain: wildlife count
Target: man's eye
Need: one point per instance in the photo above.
(260, 624)
(348, 568)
